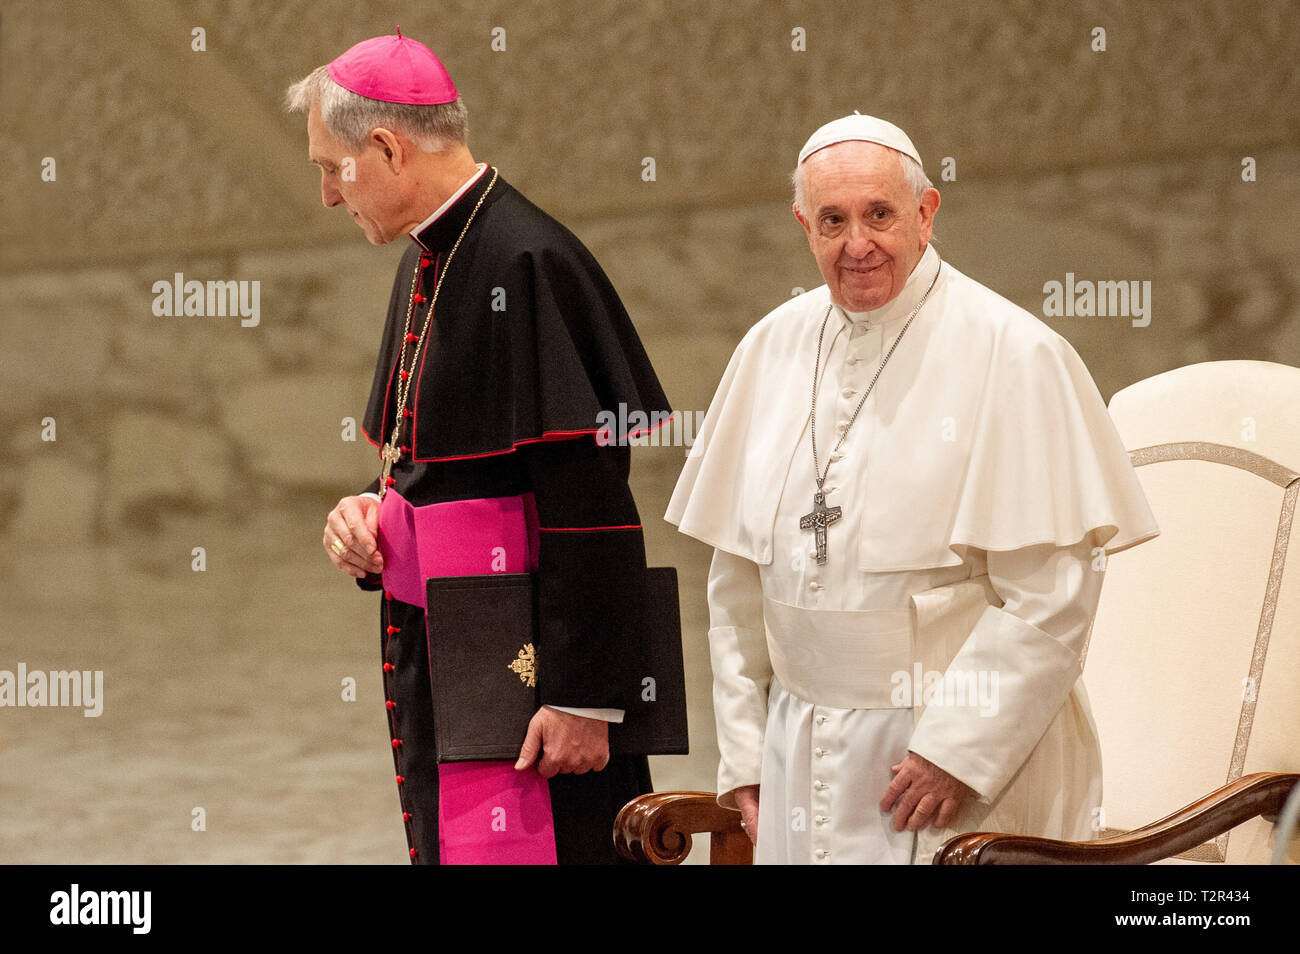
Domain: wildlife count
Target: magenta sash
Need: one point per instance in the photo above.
(460, 538)
(488, 813)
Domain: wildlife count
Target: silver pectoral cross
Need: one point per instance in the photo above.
(821, 517)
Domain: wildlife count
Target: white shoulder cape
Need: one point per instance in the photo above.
(990, 434)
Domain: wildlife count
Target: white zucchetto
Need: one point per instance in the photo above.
(860, 128)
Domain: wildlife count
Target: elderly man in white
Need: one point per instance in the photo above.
(911, 486)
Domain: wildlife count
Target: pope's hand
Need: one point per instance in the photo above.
(566, 743)
(747, 802)
(922, 794)
(350, 536)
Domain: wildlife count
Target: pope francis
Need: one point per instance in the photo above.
(911, 486)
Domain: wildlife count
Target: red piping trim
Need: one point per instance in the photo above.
(392, 371)
(546, 436)
(414, 399)
(388, 389)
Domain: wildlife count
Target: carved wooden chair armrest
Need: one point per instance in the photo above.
(656, 829)
(1262, 793)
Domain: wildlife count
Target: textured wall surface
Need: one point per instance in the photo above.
(222, 687)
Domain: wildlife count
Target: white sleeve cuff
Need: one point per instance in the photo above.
(604, 715)
(1027, 653)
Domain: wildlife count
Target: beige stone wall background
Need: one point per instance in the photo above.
(222, 688)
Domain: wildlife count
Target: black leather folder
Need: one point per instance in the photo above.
(487, 666)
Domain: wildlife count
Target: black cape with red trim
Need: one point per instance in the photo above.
(528, 344)
(536, 346)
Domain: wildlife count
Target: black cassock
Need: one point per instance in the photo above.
(528, 344)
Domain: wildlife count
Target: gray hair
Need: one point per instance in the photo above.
(349, 117)
(913, 175)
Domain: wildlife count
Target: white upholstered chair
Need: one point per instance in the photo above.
(1193, 667)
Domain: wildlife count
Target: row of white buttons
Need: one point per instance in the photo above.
(837, 455)
(821, 789)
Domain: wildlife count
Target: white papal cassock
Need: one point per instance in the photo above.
(981, 487)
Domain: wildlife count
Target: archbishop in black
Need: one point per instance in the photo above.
(503, 343)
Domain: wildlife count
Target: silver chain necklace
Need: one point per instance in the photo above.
(822, 516)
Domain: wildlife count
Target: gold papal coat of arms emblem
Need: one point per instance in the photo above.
(526, 665)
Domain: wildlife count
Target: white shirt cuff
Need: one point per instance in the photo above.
(604, 715)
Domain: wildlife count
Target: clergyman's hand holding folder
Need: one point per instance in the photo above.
(487, 663)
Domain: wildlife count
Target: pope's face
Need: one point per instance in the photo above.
(864, 224)
(363, 183)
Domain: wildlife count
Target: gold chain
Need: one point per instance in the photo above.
(404, 386)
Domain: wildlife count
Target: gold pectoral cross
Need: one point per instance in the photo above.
(821, 517)
(390, 454)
